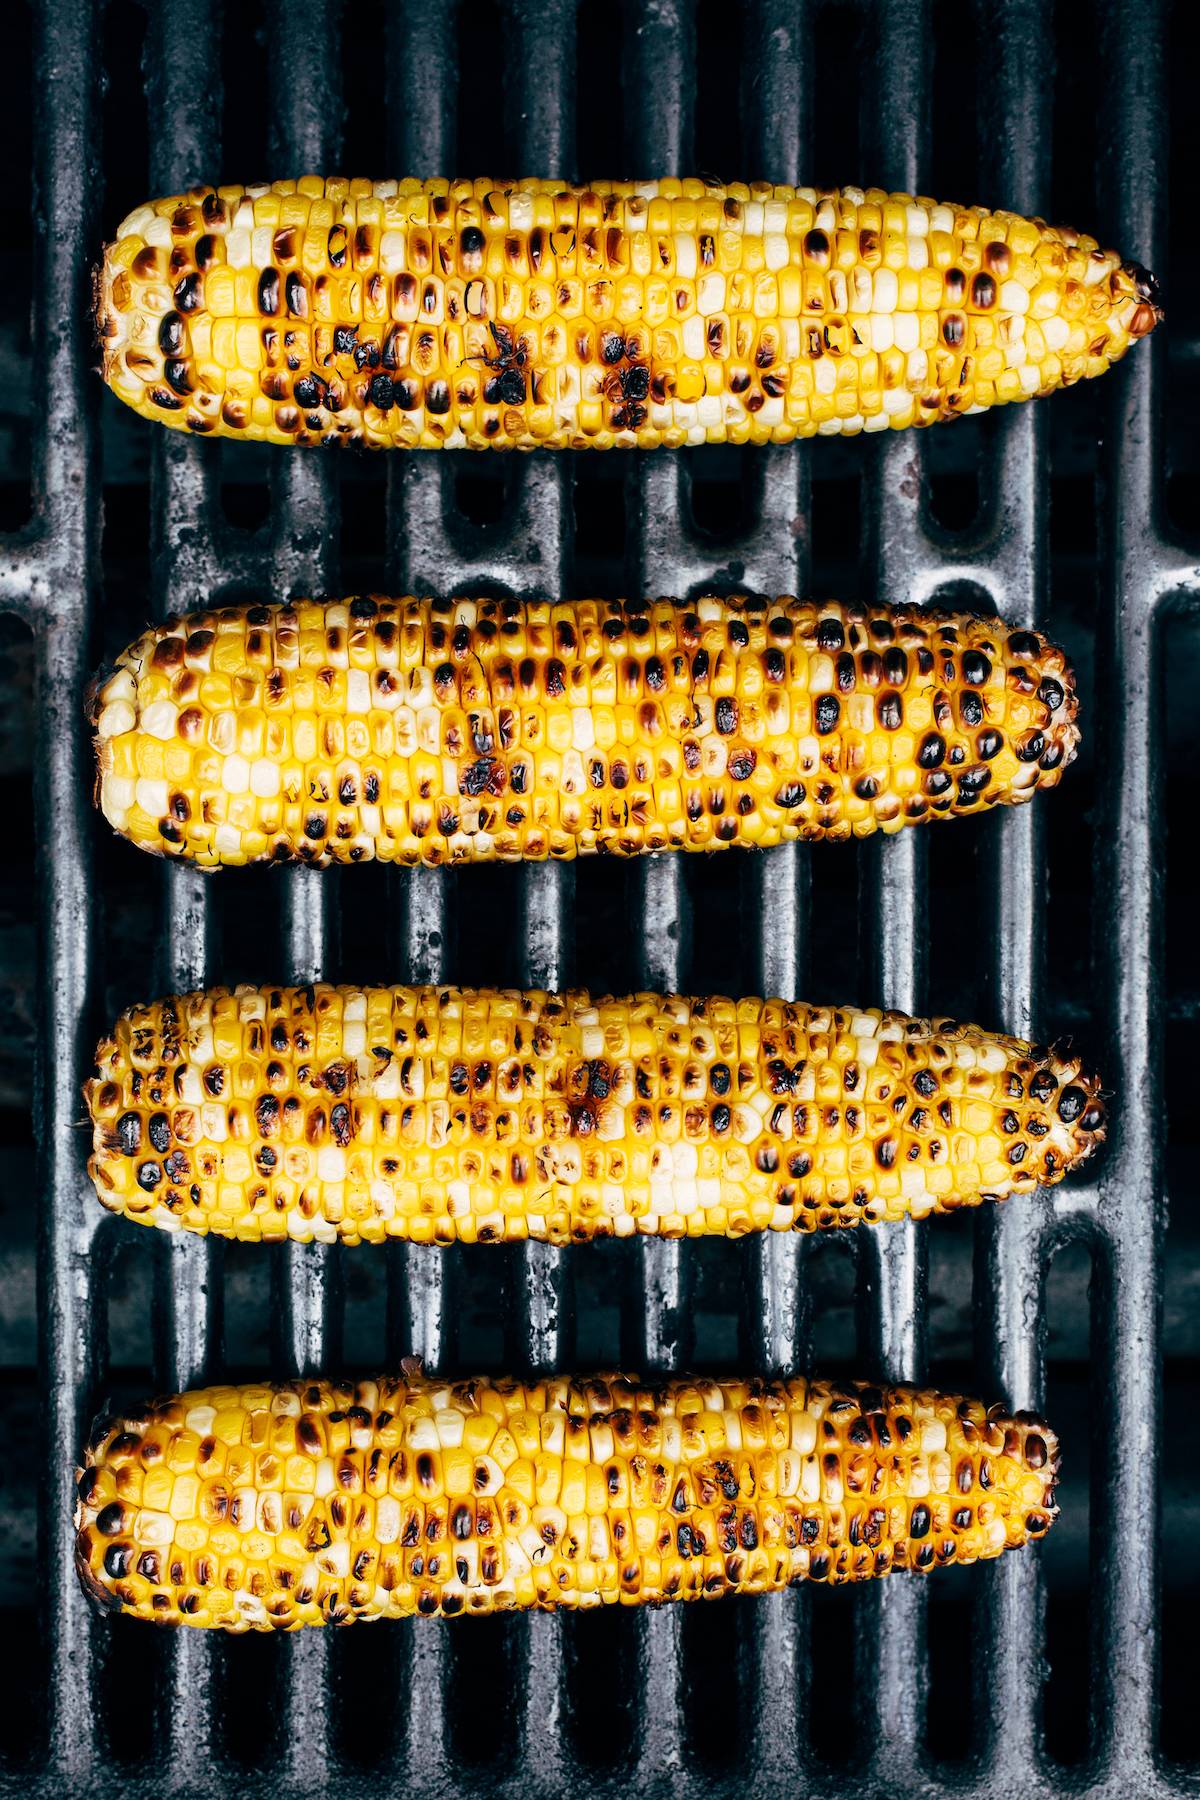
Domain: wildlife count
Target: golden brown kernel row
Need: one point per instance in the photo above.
(418, 731)
(435, 314)
(443, 1114)
(271, 1508)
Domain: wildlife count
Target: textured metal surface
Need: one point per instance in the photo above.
(48, 575)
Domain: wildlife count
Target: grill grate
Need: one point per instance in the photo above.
(49, 574)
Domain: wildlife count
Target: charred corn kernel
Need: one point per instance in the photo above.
(416, 731)
(905, 1478)
(456, 314)
(443, 1114)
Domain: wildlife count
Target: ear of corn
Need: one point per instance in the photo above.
(417, 731)
(441, 1114)
(315, 1503)
(473, 313)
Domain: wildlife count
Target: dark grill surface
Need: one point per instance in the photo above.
(1054, 1672)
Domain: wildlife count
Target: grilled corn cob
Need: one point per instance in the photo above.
(418, 731)
(471, 313)
(438, 1114)
(313, 1503)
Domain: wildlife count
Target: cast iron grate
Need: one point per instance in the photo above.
(656, 1702)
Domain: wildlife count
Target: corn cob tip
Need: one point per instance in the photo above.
(1148, 312)
(272, 1507)
(1080, 1103)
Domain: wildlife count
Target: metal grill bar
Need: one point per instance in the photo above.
(775, 1638)
(54, 576)
(1142, 572)
(185, 121)
(306, 134)
(1011, 1242)
(661, 62)
(891, 1654)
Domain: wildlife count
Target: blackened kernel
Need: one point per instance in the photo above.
(1051, 693)
(110, 1520)
(890, 712)
(726, 716)
(1071, 1103)
(510, 387)
(970, 710)
(189, 293)
(268, 293)
(866, 787)
(129, 1133)
(827, 712)
(148, 1176)
(310, 391)
(830, 635)
(938, 781)
(741, 765)
(719, 1078)
(178, 375)
(790, 795)
(988, 744)
(296, 294)
(975, 667)
(932, 750)
(972, 781)
(895, 666)
(1031, 748)
(380, 392)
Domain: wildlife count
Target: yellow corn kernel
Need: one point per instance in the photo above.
(970, 1483)
(778, 1116)
(270, 733)
(344, 268)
